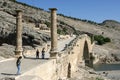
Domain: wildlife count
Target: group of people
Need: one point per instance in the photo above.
(18, 62)
(42, 52)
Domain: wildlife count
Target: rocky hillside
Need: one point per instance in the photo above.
(33, 17)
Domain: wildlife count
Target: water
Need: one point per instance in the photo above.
(106, 67)
(112, 70)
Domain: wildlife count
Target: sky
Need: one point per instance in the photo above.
(94, 10)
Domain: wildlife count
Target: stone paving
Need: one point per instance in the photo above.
(8, 67)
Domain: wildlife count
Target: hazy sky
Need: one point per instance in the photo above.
(95, 10)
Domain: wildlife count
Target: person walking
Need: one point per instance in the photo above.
(37, 54)
(18, 64)
(43, 53)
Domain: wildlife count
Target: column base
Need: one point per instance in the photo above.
(18, 53)
(53, 54)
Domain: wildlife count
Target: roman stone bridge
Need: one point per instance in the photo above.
(60, 64)
(66, 61)
(77, 52)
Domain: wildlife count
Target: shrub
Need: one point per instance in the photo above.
(101, 40)
(107, 39)
(5, 4)
(59, 31)
(48, 24)
(99, 78)
(62, 32)
(65, 30)
(61, 22)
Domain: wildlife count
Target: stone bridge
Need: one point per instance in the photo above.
(77, 52)
(61, 64)
(65, 64)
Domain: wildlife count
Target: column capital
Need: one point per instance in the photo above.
(18, 10)
(52, 9)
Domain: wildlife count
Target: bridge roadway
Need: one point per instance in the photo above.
(8, 67)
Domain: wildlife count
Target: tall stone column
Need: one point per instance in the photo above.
(18, 49)
(53, 32)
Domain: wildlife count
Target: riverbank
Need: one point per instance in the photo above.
(86, 73)
(113, 74)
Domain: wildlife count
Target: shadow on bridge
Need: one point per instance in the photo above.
(8, 74)
(33, 58)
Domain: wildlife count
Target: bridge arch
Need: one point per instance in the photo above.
(84, 50)
(69, 71)
(86, 56)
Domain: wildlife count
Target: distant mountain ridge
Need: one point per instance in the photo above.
(111, 24)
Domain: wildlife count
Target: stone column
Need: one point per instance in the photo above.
(53, 32)
(18, 49)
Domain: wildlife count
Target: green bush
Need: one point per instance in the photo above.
(48, 24)
(107, 39)
(61, 22)
(99, 78)
(62, 32)
(5, 4)
(59, 31)
(101, 40)
(65, 30)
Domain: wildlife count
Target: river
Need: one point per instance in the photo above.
(112, 70)
(106, 67)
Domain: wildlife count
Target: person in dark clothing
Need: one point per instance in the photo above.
(18, 63)
(37, 54)
(43, 53)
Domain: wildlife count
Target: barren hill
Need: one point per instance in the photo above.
(111, 24)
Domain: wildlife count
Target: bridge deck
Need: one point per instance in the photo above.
(8, 67)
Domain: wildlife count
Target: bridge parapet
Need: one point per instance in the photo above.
(69, 47)
(72, 55)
